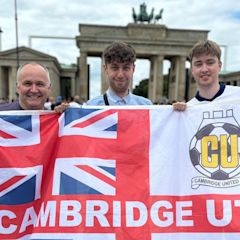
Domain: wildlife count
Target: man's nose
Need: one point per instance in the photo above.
(204, 68)
(120, 72)
(34, 88)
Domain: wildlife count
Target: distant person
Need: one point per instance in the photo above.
(205, 58)
(57, 103)
(119, 65)
(49, 103)
(75, 101)
(33, 87)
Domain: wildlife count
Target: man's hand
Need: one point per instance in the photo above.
(61, 108)
(179, 106)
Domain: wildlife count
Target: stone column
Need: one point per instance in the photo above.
(82, 84)
(150, 81)
(2, 87)
(157, 82)
(73, 86)
(12, 83)
(104, 81)
(192, 86)
(180, 78)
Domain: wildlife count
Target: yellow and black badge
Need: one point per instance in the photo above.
(214, 150)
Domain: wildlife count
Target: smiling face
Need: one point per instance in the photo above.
(33, 87)
(205, 69)
(119, 76)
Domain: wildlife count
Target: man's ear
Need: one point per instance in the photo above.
(104, 68)
(220, 64)
(17, 88)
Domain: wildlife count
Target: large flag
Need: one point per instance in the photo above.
(121, 174)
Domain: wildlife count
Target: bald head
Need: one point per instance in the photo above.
(33, 86)
(30, 66)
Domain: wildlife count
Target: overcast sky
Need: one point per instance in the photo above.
(62, 17)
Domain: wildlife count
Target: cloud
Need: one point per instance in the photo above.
(62, 18)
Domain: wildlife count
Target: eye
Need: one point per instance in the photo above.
(27, 84)
(211, 62)
(126, 68)
(40, 84)
(198, 64)
(114, 68)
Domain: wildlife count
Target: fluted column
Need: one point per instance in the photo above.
(157, 78)
(73, 87)
(150, 81)
(104, 81)
(192, 86)
(180, 78)
(2, 87)
(12, 83)
(83, 84)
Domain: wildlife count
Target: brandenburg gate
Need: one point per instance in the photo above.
(154, 42)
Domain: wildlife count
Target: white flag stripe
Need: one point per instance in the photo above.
(89, 132)
(88, 161)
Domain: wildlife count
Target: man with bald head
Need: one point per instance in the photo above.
(33, 87)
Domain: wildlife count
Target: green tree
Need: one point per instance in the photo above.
(142, 88)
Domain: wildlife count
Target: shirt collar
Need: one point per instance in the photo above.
(113, 97)
(219, 93)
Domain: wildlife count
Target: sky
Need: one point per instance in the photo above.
(61, 18)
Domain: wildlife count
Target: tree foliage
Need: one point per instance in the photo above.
(142, 88)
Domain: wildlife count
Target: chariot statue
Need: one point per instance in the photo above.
(143, 15)
(158, 16)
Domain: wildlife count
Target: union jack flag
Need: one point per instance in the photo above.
(19, 130)
(89, 122)
(84, 176)
(20, 185)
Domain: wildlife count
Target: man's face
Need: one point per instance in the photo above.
(205, 69)
(119, 76)
(33, 87)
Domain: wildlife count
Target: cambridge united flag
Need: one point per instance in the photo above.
(121, 174)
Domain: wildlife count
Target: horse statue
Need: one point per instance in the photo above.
(151, 15)
(158, 16)
(134, 15)
(143, 16)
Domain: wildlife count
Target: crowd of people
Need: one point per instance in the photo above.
(34, 84)
(74, 101)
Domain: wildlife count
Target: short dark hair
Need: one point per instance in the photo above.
(119, 52)
(205, 47)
